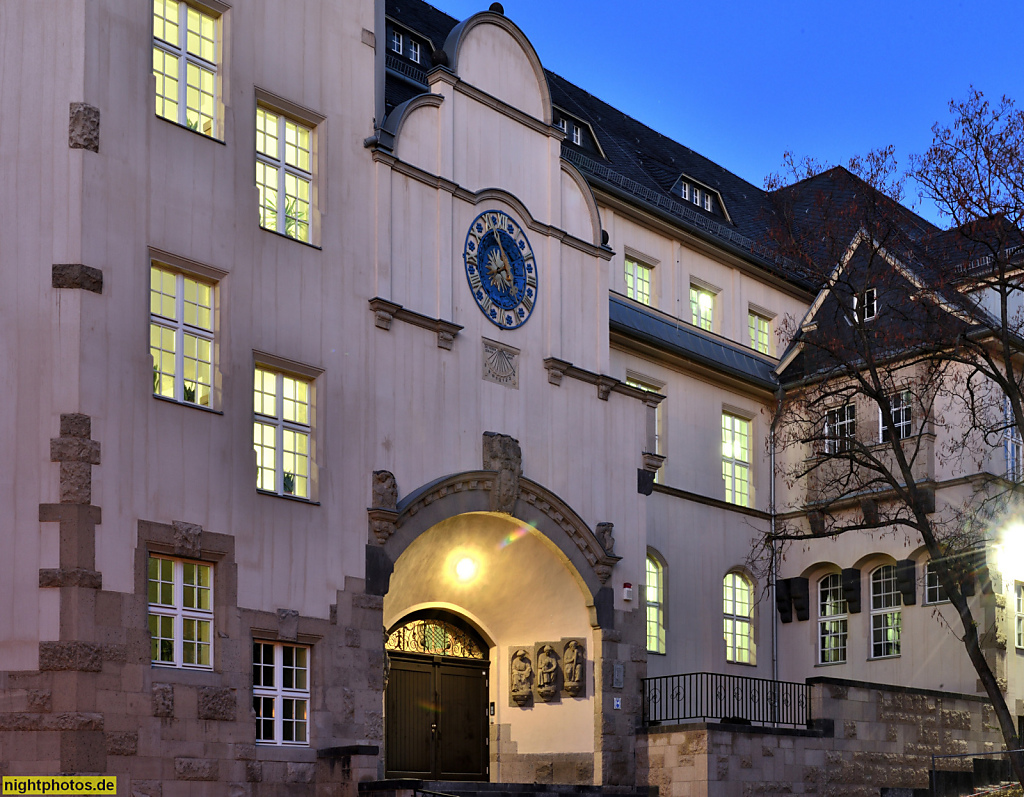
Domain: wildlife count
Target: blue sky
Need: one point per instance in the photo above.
(742, 81)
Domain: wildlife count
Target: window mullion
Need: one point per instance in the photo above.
(178, 572)
(179, 338)
(279, 432)
(278, 701)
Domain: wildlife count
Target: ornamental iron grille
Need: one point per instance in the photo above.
(731, 698)
(434, 638)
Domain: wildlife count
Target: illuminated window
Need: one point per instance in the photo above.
(185, 64)
(638, 281)
(280, 693)
(654, 597)
(736, 459)
(759, 332)
(702, 308)
(181, 317)
(900, 404)
(284, 173)
(738, 608)
(1013, 445)
(1019, 620)
(934, 592)
(180, 613)
(832, 617)
(886, 619)
(414, 51)
(659, 419)
(281, 432)
(840, 429)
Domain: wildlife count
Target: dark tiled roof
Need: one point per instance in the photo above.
(422, 18)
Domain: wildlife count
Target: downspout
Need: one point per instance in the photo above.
(772, 560)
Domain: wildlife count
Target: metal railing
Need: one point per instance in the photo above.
(713, 696)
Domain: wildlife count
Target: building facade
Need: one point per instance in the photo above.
(409, 457)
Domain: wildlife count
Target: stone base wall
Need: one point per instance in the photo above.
(508, 765)
(879, 737)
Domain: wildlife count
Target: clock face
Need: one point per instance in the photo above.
(501, 270)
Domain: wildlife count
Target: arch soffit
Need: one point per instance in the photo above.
(395, 120)
(817, 571)
(458, 34)
(872, 561)
(538, 507)
(441, 608)
(588, 197)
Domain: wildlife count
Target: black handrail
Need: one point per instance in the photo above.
(731, 698)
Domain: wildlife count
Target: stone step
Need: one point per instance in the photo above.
(434, 788)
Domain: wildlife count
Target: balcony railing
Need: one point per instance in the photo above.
(734, 698)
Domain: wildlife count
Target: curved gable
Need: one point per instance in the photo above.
(490, 53)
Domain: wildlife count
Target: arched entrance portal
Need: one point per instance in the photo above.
(436, 699)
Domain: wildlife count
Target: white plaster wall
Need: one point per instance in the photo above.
(495, 62)
(524, 593)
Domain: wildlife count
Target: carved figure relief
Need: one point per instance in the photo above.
(502, 454)
(605, 535)
(547, 673)
(385, 490)
(522, 677)
(574, 669)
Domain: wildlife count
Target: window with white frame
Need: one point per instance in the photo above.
(180, 612)
(577, 134)
(1013, 445)
(702, 307)
(684, 189)
(280, 693)
(736, 459)
(638, 281)
(414, 51)
(1019, 619)
(760, 329)
(832, 620)
(900, 404)
(934, 592)
(281, 432)
(737, 610)
(396, 42)
(707, 201)
(696, 195)
(865, 304)
(563, 125)
(654, 597)
(181, 319)
(284, 173)
(886, 613)
(658, 419)
(840, 429)
(185, 64)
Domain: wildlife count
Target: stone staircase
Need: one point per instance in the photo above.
(437, 788)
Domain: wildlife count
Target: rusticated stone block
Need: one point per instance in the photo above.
(40, 700)
(163, 700)
(544, 773)
(254, 771)
(64, 721)
(957, 720)
(84, 126)
(83, 751)
(849, 729)
(75, 483)
(353, 637)
(297, 772)
(146, 788)
(196, 769)
(363, 601)
(126, 743)
(73, 656)
(187, 539)
(74, 449)
(75, 424)
(70, 577)
(287, 624)
(217, 703)
(245, 752)
(76, 275)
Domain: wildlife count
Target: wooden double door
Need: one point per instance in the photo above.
(436, 718)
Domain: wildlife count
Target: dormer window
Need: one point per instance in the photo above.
(414, 51)
(696, 196)
(707, 201)
(577, 135)
(865, 304)
(685, 190)
(396, 42)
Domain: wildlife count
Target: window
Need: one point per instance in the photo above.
(281, 433)
(684, 189)
(739, 646)
(840, 429)
(886, 601)
(736, 459)
(280, 693)
(707, 201)
(702, 307)
(181, 336)
(577, 134)
(934, 592)
(185, 65)
(180, 613)
(563, 125)
(654, 597)
(865, 305)
(284, 173)
(638, 281)
(900, 405)
(832, 628)
(414, 51)
(1013, 445)
(1019, 620)
(658, 418)
(759, 332)
(396, 42)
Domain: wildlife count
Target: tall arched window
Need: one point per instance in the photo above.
(654, 596)
(886, 620)
(738, 612)
(832, 628)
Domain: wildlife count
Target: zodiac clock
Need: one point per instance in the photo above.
(501, 269)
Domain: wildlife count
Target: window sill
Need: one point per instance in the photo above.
(289, 238)
(188, 404)
(199, 133)
(882, 658)
(936, 603)
(830, 663)
(297, 498)
(743, 663)
(656, 652)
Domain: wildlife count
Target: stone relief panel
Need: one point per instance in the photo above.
(501, 364)
(574, 667)
(548, 671)
(520, 677)
(503, 455)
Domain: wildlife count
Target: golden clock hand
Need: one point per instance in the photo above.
(504, 259)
